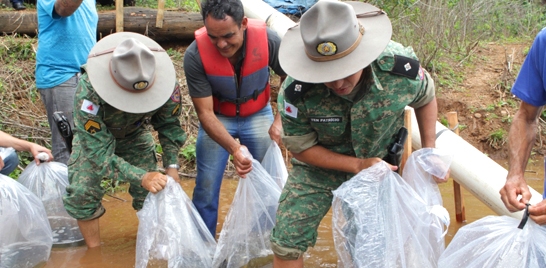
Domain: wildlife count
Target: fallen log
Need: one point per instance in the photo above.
(177, 25)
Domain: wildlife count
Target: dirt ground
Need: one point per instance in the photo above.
(483, 101)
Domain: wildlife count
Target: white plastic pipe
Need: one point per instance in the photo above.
(476, 172)
(257, 9)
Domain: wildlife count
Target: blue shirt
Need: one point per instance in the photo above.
(63, 42)
(529, 85)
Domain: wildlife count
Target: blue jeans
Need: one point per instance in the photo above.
(60, 98)
(10, 164)
(212, 158)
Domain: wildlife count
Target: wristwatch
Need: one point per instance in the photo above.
(175, 166)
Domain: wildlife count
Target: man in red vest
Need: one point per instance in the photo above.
(227, 72)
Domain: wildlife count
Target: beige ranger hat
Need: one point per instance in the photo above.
(131, 72)
(334, 40)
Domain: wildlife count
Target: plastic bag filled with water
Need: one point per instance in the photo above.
(25, 235)
(48, 181)
(171, 232)
(245, 234)
(497, 242)
(273, 163)
(380, 221)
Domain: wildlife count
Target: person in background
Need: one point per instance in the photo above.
(227, 72)
(9, 163)
(128, 84)
(530, 87)
(18, 4)
(67, 31)
(341, 106)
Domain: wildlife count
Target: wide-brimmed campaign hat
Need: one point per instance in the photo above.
(131, 72)
(334, 40)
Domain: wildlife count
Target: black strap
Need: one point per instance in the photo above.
(525, 216)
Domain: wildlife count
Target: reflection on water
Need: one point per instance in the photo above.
(119, 226)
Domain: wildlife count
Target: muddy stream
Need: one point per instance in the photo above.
(119, 226)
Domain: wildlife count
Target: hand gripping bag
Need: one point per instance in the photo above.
(48, 181)
(380, 221)
(273, 163)
(244, 239)
(171, 232)
(25, 235)
(496, 242)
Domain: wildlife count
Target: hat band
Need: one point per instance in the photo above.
(110, 50)
(341, 54)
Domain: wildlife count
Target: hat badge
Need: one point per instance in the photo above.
(140, 85)
(327, 48)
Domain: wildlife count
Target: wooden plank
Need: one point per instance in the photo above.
(160, 10)
(460, 214)
(119, 16)
(407, 146)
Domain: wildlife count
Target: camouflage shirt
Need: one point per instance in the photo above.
(364, 126)
(98, 127)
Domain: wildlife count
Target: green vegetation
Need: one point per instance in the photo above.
(497, 138)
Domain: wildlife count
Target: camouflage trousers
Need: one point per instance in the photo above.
(305, 199)
(84, 194)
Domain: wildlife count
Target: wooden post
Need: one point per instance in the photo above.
(407, 145)
(119, 16)
(460, 213)
(160, 9)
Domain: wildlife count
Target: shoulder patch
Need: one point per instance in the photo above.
(90, 107)
(176, 94)
(405, 66)
(296, 89)
(92, 126)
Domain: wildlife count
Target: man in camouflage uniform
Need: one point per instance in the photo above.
(128, 83)
(341, 107)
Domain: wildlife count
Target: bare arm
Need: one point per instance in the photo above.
(7, 140)
(520, 139)
(426, 118)
(321, 157)
(65, 8)
(216, 130)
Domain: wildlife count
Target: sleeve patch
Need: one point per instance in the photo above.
(176, 94)
(89, 107)
(405, 66)
(176, 110)
(290, 110)
(92, 126)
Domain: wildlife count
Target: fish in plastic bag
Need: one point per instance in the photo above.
(48, 181)
(380, 221)
(496, 242)
(245, 234)
(25, 235)
(171, 230)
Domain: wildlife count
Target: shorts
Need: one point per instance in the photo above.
(305, 199)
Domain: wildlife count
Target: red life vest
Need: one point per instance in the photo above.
(251, 93)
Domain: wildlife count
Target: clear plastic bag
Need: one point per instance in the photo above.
(244, 238)
(273, 163)
(380, 221)
(25, 235)
(171, 232)
(419, 170)
(48, 181)
(496, 242)
(4, 152)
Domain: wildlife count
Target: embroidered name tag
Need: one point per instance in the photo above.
(334, 119)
